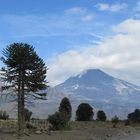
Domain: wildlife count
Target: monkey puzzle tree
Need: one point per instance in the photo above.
(25, 74)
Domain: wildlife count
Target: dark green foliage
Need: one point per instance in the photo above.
(134, 116)
(30, 126)
(23, 64)
(115, 121)
(25, 73)
(101, 116)
(27, 114)
(4, 115)
(84, 112)
(65, 108)
(57, 121)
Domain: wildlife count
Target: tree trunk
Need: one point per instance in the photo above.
(22, 102)
(19, 109)
(21, 116)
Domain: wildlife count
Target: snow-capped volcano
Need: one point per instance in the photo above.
(103, 91)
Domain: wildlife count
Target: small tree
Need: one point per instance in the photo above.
(27, 114)
(65, 108)
(4, 115)
(57, 121)
(101, 116)
(115, 121)
(84, 112)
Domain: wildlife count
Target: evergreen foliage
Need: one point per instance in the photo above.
(27, 114)
(84, 112)
(25, 73)
(4, 115)
(101, 116)
(65, 108)
(57, 120)
(134, 116)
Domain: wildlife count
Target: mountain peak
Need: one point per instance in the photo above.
(94, 74)
(89, 77)
(93, 71)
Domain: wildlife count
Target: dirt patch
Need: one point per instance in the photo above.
(85, 134)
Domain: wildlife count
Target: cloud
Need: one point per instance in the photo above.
(76, 10)
(137, 10)
(82, 13)
(88, 18)
(118, 55)
(112, 8)
(138, 6)
(46, 25)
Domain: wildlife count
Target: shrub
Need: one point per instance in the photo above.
(134, 116)
(84, 112)
(127, 122)
(115, 121)
(27, 114)
(57, 121)
(101, 116)
(30, 126)
(4, 115)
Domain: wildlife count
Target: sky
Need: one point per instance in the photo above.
(75, 35)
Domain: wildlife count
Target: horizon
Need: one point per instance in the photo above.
(75, 36)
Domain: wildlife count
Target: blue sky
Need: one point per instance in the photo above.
(57, 27)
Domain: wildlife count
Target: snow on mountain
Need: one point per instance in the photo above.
(103, 91)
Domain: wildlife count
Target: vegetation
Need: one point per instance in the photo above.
(115, 121)
(58, 121)
(65, 108)
(134, 116)
(84, 112)
(101, 116)
(27, 114)
(25, 73)
(4, 115)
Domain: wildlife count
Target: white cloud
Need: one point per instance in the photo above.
(102, 6)
(118, 55)
(137, 10)
(88, 18)
(113, 8)
(81, 12)
(138, 6)
(76, 10)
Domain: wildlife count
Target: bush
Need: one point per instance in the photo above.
(65, 108)
(101, 116)
(27, 114)
(127, 122)
(84, 112)
(134, 116)
(115, 121)
(57, 120)
(4, 115)
(30, 126)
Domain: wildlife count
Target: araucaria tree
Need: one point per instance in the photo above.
(25, 74)
(65, 108)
